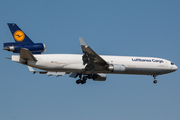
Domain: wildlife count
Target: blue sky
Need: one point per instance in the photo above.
(130, 28)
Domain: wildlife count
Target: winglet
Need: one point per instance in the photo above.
(26, 54)
(82, 42)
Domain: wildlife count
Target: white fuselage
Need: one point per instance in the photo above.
(73, 63)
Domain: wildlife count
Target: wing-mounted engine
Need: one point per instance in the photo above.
(35, 48)
(116, 68)
(99, 77)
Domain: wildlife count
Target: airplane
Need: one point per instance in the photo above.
(88, 65)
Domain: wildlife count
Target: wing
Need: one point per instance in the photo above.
(49, 73)
(91, 59)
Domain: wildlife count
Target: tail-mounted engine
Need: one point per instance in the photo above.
(36, 48)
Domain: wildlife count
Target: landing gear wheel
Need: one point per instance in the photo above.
(90, 76)
(155, 81)
(94, 76)
(83, 81)
(78, 81)
(85, 78)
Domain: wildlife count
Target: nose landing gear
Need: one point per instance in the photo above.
(155, 81)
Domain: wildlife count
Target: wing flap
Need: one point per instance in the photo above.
(56, 73)
(74, 75)
(49, 73)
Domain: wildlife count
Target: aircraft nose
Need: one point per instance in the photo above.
(175, 68)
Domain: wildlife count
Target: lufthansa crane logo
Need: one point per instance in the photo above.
(19, 35)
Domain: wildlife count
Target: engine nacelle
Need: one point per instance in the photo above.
(116, 67)
(100, 77)
(36, 48)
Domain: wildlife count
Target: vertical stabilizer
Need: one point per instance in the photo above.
(19, 35)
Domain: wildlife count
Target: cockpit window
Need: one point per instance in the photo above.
(172, 63)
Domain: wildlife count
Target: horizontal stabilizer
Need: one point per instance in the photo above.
(26, 55)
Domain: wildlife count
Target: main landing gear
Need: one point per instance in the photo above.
(155, 81)
(83, 79)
